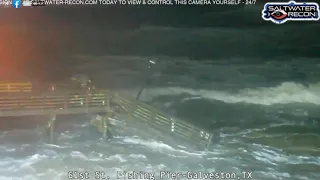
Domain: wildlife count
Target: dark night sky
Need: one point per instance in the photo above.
(54, 28)
(42, 35)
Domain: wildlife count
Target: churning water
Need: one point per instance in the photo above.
(265, 115)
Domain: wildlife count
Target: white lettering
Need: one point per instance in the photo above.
(70, 2)
(159, 2)
(226, 2)
(5, 2)
(199, 2)
(134, 2)
(108, 2)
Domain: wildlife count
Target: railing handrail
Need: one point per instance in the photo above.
(16, 87)
(181, 126)
(147, 106)
(100, 99)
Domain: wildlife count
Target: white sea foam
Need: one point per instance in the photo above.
(285, 93)
(145, 154)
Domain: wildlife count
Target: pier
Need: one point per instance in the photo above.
(106, 103)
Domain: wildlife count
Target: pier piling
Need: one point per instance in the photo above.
(105, 126)
(51, 128)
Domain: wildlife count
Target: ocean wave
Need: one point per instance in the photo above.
(161, 147)
(142, 154)
(285, 93)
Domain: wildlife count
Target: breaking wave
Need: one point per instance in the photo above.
(285, 93)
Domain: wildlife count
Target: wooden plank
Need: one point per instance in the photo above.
(31, 112)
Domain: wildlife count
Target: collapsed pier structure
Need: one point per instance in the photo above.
(102, 106)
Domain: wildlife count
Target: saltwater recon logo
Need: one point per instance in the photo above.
(280, 13)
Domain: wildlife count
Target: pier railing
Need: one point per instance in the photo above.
(53, 103)
(100, 102)
(156, 118)
(15, 87)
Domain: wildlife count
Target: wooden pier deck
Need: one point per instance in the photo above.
(53, 103)
(99, 102)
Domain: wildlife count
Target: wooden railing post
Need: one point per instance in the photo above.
(52, 119)
(191, 132)
(209, 141)
(105, 126)
(130, 110)
(108, 103)
(43, 102)
(87, 102)
(19, 104)
(65, 103)
(172, 128)
(106, 119)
